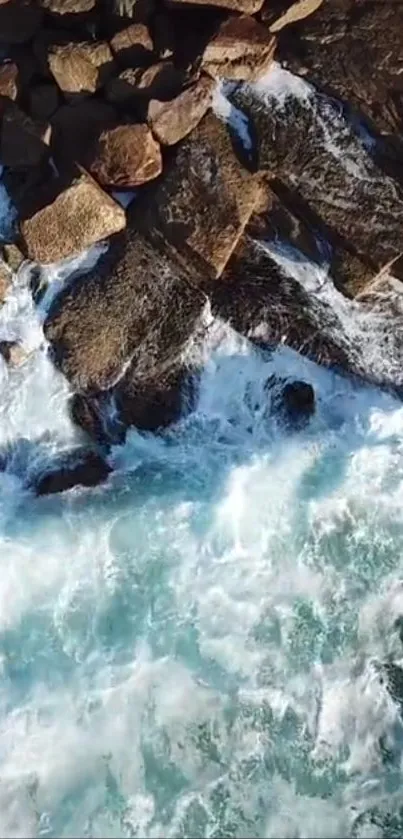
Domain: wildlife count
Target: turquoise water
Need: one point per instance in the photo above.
(192, 649)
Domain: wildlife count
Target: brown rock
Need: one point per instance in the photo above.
(12, 257)
(160, 81)
(80, 216)
(76, 128)
(136, 306)
(68, 7)
(172, 121)
(204, 200)
(13, 353)
(5, 281)
(43, 100)
(23, 142)
(248, 7)
(19, 20)
(297, 11)
(133, 46)
(242, 49)
(126, 156)
(82, 467)
(9, 83)
(81, 68)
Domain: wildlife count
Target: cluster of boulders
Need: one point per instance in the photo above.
(98, 97)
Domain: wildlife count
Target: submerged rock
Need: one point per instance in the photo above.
(78, 468)
(294, 401)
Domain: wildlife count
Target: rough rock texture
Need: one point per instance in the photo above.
(137, 305)
(330, 173)
(296, 11)
(249, 7)
(81, 215)
(242, 49)
(76, 128)
(19, 20)
(23, 141)
(160, 81)
(43, 100)
(12, 257)
(126, 156)
(68, 7)
(352, 48)
(171, 121)
(204, 200)
(9, 83)
(133, 46)
(5, 281)
(77, 468)
(81, 68)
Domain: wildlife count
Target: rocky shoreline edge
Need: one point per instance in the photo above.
(242, 126)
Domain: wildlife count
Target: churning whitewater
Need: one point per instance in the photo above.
(195, 648)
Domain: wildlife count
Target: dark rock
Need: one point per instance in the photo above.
(133, 46)
(241, 49)
(94, 416)
(172, 121)
(160, 81)
(76, 128)
(126, 156)
(80, 215)
(393, 675)
(19, 20)
(43, 100)
(295, 402)
(204, 200)
(9, 81)
(352, 49)
(68, 7)
(311, 148)
(78, 468)
(23, 142)
(136, 306)
(81, 68)
(155, 404)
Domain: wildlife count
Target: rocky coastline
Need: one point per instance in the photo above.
(174, 103)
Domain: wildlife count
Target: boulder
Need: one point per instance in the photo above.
(248, 7)
(352, 50)
(173, 120)
(19, 21)
(295, 11)
(77, 468)
(81, 68)
(12, 257)
(133, 46)
(136, 306)
(76, 128)
(312, 149)
(9, 81)
(80, 215)
(241, 49)
(294, 401)
(126, 156)
(43, 100)
(24, 142)
(68, 7)
(13, 353)
(155, 404)
(203, 202)
(160, 81)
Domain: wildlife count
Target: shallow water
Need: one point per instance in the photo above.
(193, 649)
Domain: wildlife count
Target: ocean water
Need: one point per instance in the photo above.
(194, 648)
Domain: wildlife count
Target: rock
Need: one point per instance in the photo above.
(76, 128)
(13, 353)
(155, 404)
(9, 82)
(352, 50)
(204, 200)
(393, 675)
(68, 7)
(77, 468)
(93, 415)
(13, 257)
(172, 121)
(81, 215)
(19, 21)
(23, 142)
(248, 7)
(311, 148)
(126, 156)
(160, 81)
(241, 49)
(43, 100)
(295, 402)
(136, 306)
(299, 10)
(81, 68)
(5, 281)
(133, 46)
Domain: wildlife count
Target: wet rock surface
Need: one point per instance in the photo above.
(77, 468)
